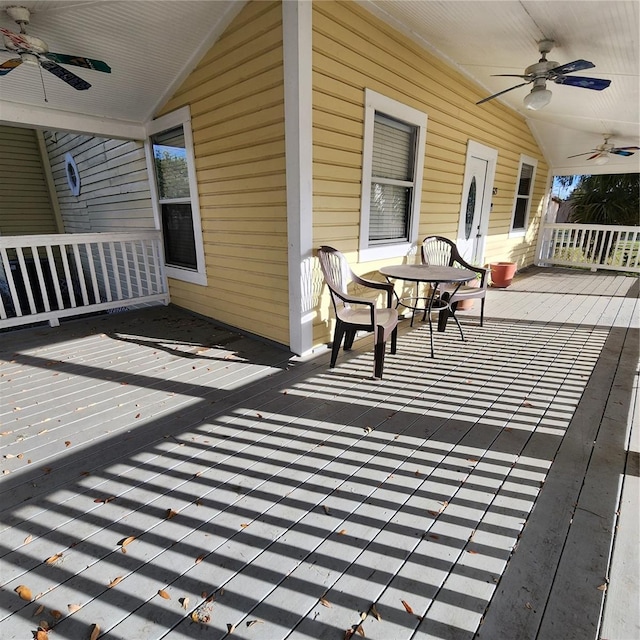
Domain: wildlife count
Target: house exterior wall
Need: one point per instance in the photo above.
(354, 50)
(236, 98)
(25, 204)
(114, 190)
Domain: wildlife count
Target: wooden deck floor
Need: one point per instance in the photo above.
(162, 478)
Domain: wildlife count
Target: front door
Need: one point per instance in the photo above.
(476, 201)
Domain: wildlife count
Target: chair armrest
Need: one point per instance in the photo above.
(374, 284)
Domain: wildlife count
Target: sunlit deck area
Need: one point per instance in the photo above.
(165, 478)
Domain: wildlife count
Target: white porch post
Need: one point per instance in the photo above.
(296, 27)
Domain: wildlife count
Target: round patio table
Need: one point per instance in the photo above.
(433, 275)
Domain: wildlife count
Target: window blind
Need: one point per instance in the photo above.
(392, 179)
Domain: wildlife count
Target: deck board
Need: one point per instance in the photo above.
(288, 483)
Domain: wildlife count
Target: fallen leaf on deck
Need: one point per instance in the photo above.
(73, 607)
(47, 469)
(374, 612)
(360, 630)
(125, 542)
(38, 611)
(527, 404)
(231, 628)
(6, 433)
(53, 559)
(67, 443)
(20, 456)
(41, 634)
(184, 602)
(244, 525)
(407, 606)
(528, 605)
(326, 509)
(200, 558)
(137, 415)
(115, 581)
(602, 587)
(434, 536)
(368, 429)
(24, 592)
(433, 513)
(342, 532)
(44, 625)
(250, 623)
(325, 603)
(5, 472)
(171, 514)
(471, 551)
(259, 415)
(363, 615)
(56, 614)
(348, 634)
(163, 594)
(8, 456)
(95, 632)
(28, 539)
(105, 500)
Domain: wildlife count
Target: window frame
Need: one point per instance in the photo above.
(376, 103)
(521, 231)
(180, 117)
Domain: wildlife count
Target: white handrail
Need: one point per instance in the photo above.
(596, 246)
(48, 277)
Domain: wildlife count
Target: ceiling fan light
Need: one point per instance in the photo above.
(602, 159)
(538, 98)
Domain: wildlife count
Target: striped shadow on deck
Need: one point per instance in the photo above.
(278, 492)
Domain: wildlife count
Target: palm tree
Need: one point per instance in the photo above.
(607, 199)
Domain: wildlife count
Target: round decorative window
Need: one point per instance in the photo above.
(72, 173)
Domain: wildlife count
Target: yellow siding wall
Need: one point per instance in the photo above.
(236, 96)
(114, 183)
(354, 50)
(25, 205)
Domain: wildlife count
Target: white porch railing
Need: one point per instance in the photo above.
(48, 277)
(591, 246)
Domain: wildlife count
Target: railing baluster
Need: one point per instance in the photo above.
(127, 270)
(41, 283)
(26, 279)
(53, 270)
(147, 271)
(88, 247)
(68, 277)
(136, 267)
(104, 272)
(80, 271)
(11, 283)
(116, 270)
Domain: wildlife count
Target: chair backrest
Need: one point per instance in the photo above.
(438, 251)
(337, 274)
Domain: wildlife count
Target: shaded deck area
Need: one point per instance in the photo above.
(163, 478)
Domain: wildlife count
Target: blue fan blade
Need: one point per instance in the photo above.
(68, 77)
(621, 152)
(570, 67)
(586, 83)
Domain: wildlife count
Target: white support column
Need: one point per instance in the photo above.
(296, 27)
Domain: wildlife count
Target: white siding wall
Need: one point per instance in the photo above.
(25, 206)
(114, 194)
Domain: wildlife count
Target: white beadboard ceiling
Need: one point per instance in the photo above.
(152, 44)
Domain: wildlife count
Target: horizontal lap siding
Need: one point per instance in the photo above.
(114, 184)
(354, 50)
(236, 97)
(25, 205)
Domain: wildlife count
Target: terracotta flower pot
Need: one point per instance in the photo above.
(502, 273)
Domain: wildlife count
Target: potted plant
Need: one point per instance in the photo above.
(502, 273)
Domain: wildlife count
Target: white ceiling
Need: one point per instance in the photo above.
(152, 44)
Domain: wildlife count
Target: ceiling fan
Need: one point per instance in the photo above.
(34, 51)
(546, 70)
(602, 152)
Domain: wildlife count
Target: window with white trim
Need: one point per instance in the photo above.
(523, 196)
(393, 164)
(171, 159)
